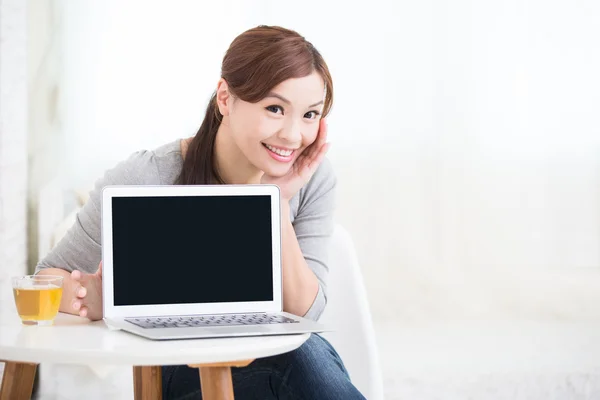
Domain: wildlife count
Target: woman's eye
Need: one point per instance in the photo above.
(312, 114)
(274, 109)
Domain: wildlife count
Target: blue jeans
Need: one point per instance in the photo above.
(312, 371)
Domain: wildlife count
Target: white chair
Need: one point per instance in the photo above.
(347, 312)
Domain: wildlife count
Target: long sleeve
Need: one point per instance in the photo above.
(313, 225)
(81, 247)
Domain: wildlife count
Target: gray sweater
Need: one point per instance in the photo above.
(311, 215)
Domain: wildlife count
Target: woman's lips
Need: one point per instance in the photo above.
(281, 155)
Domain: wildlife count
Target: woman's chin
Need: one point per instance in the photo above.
(276, 172)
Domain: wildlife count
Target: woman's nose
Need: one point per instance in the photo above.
(292, 133)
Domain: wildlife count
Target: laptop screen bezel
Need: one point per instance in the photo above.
(113, 311)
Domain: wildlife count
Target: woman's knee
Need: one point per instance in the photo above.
(317, 354)
(315, 369)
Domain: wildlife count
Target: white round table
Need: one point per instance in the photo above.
(77, 340)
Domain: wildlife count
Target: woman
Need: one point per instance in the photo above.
(264, 124)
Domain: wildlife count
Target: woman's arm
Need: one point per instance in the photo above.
(300, 284)
(305, 245)
(78, 254)
(311, 181)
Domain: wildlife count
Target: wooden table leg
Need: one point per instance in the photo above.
(215, 379)
(216, 383)
(147, 383)
(17, 381)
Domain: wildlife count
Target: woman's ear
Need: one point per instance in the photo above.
(224, 98)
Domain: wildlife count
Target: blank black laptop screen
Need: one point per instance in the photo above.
(192, 249)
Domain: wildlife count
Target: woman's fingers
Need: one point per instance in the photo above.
(315, 146)
(321, 154)
(78, 306)
(317, 156)
(76, 275)
(316, 159)
(322, 151)
(322, 132)
(81, 308)
(321, 139)
(315, 150)
(79, 302)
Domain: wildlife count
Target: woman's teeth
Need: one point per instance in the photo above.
(283, 153)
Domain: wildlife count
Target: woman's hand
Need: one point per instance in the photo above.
(304, 167)
(88, 294)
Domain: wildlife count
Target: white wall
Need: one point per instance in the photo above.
(13, 142)
(13, 147)
(45, 140)
(465, 134)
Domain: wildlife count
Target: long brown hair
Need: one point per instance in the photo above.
(256, 61)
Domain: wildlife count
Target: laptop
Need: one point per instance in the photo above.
(186, 262)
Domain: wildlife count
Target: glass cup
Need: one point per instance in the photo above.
(37, 298)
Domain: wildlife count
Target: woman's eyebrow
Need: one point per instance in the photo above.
(280, 97)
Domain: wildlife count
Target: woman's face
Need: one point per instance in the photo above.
(275, 131)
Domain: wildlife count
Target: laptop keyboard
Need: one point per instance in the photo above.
(209, 320)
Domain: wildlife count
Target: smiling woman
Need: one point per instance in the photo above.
(263, 125)
(270, 134)
(272, 81)
(280, 152)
